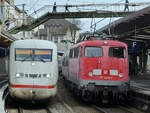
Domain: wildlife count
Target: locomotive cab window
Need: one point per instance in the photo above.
(118, 52)
(93, 51)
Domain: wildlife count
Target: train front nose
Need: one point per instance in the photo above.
(33, 87)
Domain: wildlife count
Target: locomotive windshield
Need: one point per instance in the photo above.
(93, 51)
(44, 55)
(118, 52)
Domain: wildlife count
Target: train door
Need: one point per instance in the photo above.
(80, 66)
(76, 62)
(70, 64)
(73, 64)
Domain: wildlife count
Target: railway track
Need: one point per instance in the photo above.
(61, 104)
(26, 110)
(65, 104)
(139, 86)
(117, 109)
(14, 107)
(55, 106)
(129, 109)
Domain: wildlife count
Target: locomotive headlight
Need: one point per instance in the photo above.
(90, 74)
(120, 75)
(105, 42)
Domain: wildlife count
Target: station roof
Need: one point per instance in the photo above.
(134, 27)
(6, 39)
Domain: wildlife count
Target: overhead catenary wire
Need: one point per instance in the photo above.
(34, 4)
(110, 21)
(104, 19)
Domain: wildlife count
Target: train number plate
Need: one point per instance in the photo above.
(97, 72)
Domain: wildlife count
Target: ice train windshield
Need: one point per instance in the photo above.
(41, 55)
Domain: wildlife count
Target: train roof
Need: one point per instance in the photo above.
(101, 42)
(33, 43)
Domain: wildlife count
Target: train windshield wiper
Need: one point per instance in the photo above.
(26, 58)
(39, 58)
(42, 60)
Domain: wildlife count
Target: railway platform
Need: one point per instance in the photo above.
(140, 93)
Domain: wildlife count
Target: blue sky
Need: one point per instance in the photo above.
(32, 5)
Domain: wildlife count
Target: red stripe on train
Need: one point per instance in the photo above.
(31, 86)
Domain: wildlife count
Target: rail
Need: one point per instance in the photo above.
(126, 109)
(100, 109)
(130, 109)
(44, 110)
(134, 85)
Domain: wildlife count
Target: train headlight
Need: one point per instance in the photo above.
(90, 74)
(120, 75)
(48, 75)
(17, 75)
(105, 42)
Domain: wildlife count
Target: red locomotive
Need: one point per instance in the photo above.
(97, 69)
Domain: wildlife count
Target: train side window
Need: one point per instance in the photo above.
(118, 52)
(80, 51)
(76, 52)
(71, 53)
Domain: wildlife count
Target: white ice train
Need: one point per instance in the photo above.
(33, 70)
